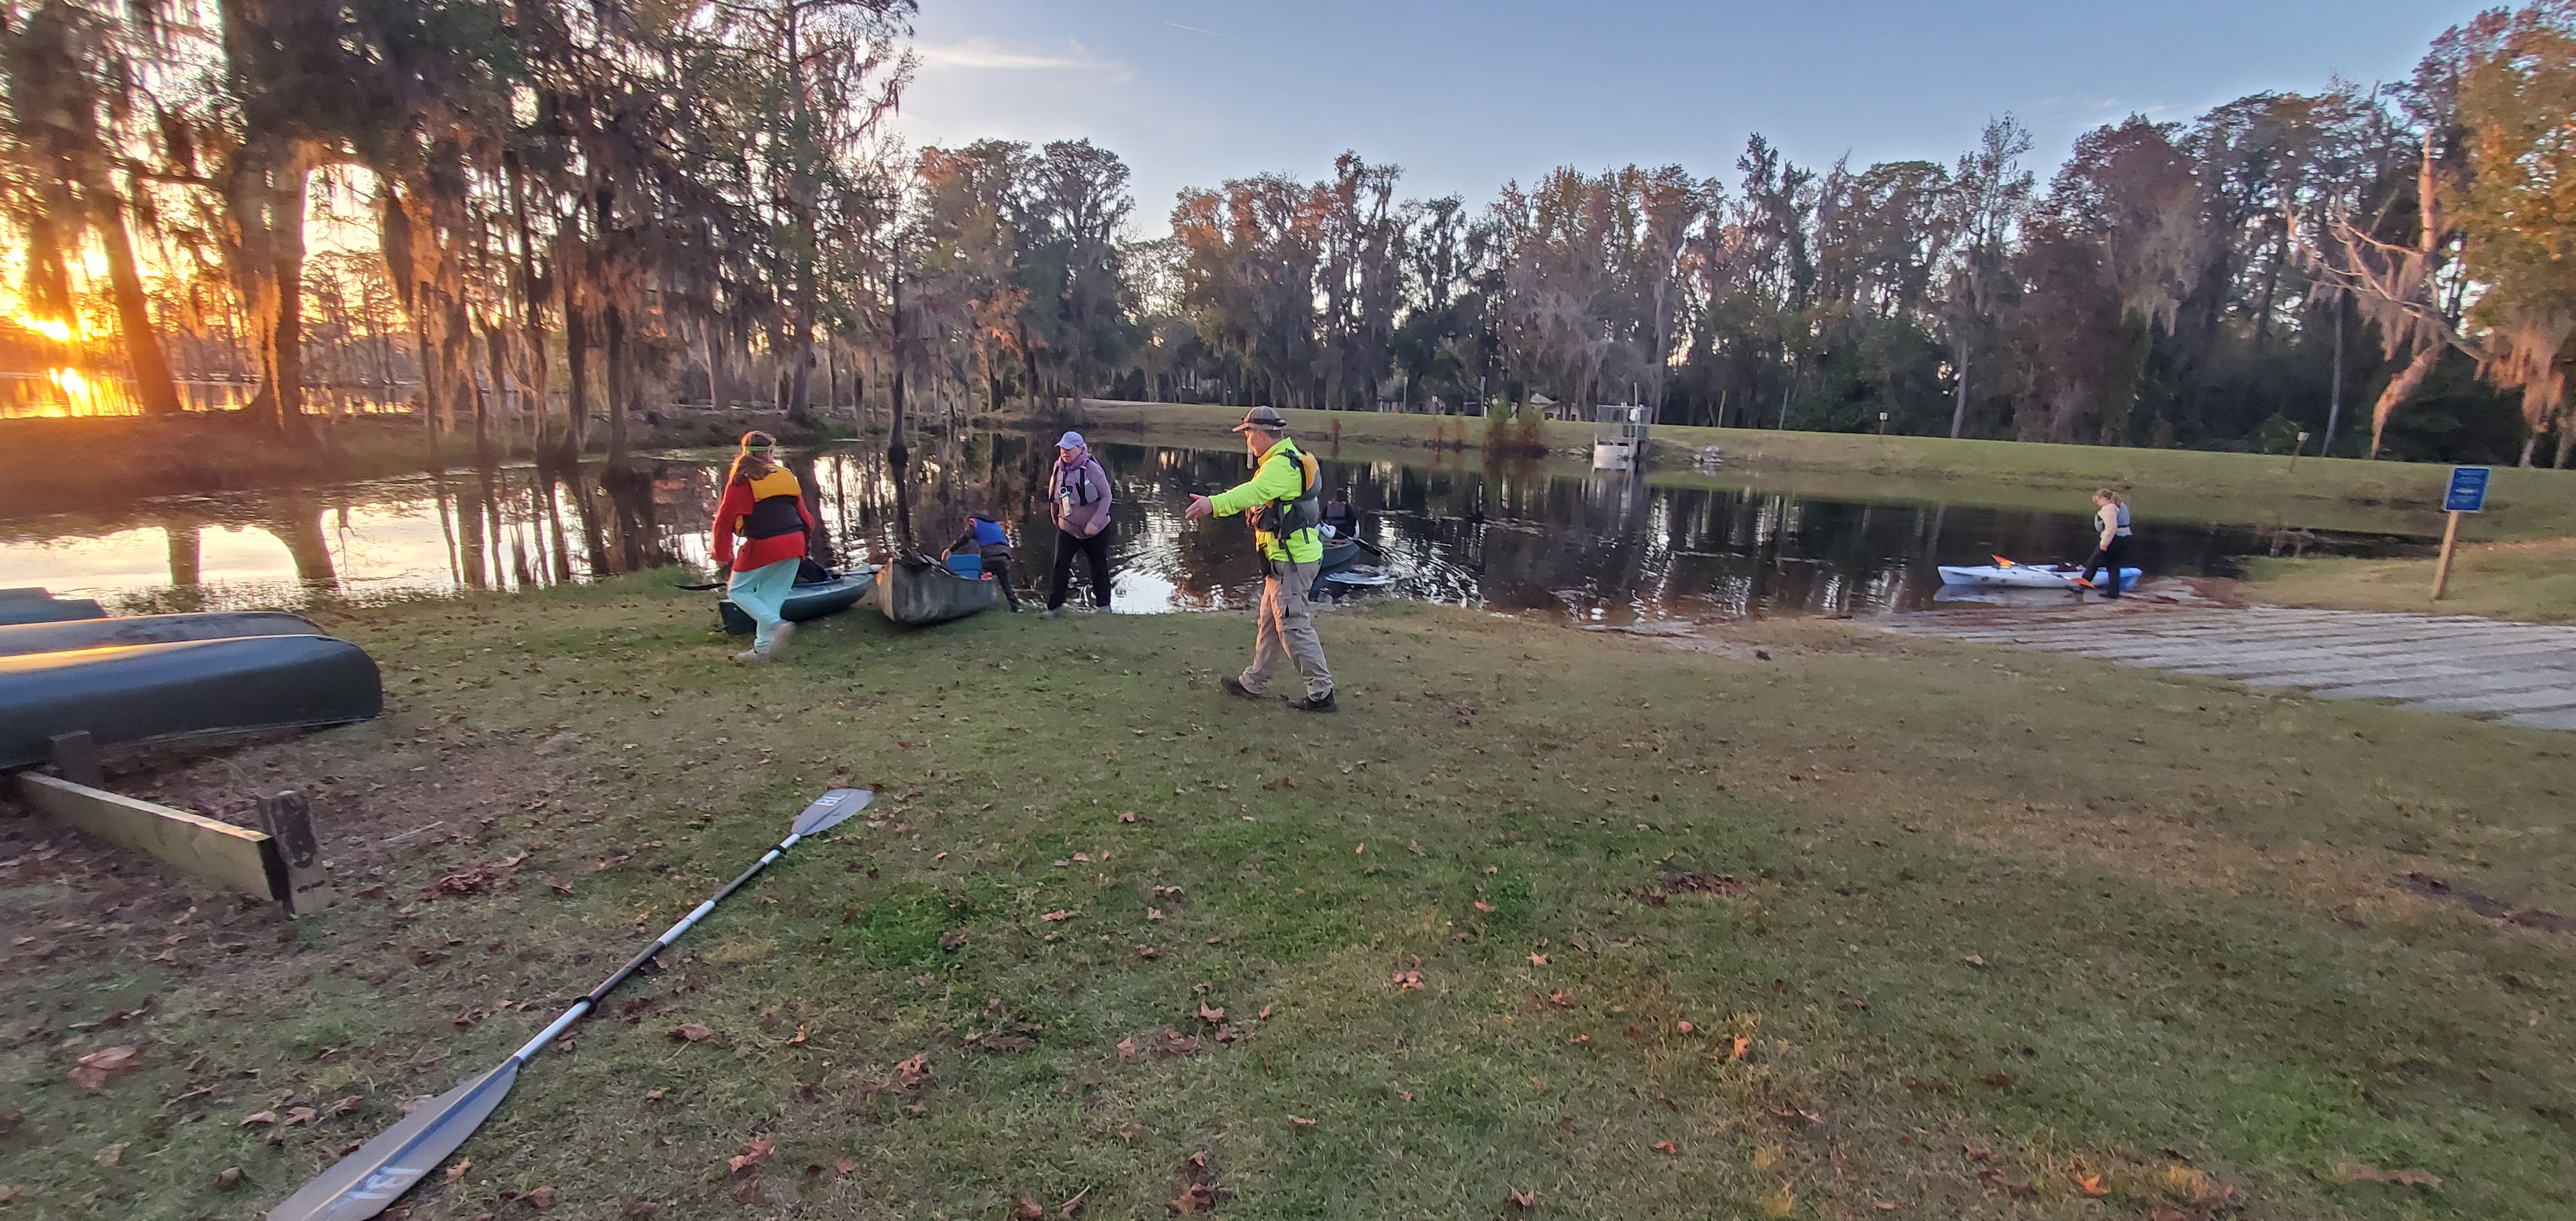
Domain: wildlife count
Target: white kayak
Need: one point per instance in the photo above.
(2028, 576)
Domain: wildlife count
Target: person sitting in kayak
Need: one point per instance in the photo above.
(986, 536)
(764, 507)
(1340, 519)
(2111, 518)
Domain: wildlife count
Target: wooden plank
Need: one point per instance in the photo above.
(289, 819)
(234, 857)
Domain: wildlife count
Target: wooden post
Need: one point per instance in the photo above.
(75, 756)
(2450, 540)
(288, 819)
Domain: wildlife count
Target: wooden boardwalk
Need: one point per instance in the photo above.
(2518, 673)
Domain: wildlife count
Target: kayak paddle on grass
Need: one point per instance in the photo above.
(367, 1181)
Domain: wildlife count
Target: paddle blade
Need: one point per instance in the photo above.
(364, 1182)
(830, 809)
(2000, 562)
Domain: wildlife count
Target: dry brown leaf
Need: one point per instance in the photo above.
(1484, 907)
(1301, 1121)
(541, 1199)
(1210, 1013)
(1684, 1028)
(692, 1031)
(1194, 1200)
(230, 1178)
(2357, 1172)
(1523, 1199)
(1059, 916)
(257, 1118)
(1739, 1045)
(1028, 1210)
(1538, 960)
(300, 1115)
(799, 1039)
(1127, 1048)
(1665, 1146)
(1127, 1133)
(655, 1096)
(457, 1170)
(642, 1208)
(1408, 981)
(111, 1154)
(1126, 815)
(2091, 1185)
(752, 1154)
(844, 1165)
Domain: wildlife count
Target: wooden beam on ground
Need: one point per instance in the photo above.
(230, 856)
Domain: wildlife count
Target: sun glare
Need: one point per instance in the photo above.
(51, 328)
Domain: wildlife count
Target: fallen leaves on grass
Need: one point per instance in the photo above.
(1523, 1200)
(1998, 1080)
(1194, 1200)
(1665, 1146)
(2090, 1184)
(692, 1032)
(1126, 815)
(1720, 884)
(541, 1199)
(655, 1097)
(111, 1154)
(456, 1170)
(1738, 1046)
(1484, 907)
(1408, 981)
(300, 1116)
(913, 1072)
(96, 1067)
(257, 1118)
(1148, 953)
(1127, 1133)
(1538, 960)
(1211, 1014)
(1560, 1000)
(1059, 916)
(1301, 1121)
(752, 1154)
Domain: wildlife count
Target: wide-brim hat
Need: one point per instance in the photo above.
(1264, 418)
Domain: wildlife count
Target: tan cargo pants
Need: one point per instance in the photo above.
(1287, 628)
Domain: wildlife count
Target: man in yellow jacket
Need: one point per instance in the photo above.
(1281, 499)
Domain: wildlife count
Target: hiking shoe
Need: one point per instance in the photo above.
(1312, 703)
(751, 655)
(1234, 687)
(1052, 612)
(778, 637)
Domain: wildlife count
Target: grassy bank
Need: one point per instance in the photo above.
(2534, 581)
(2239, 487)
(53, 465)
(1643, 929)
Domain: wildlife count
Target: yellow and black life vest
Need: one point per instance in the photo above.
(774, 506)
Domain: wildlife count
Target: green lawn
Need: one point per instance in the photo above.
(2319, 493)
(2532, 581)
(1965, 932)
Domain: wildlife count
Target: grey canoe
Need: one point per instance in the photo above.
(142, 694)
(917, 593)
(21, 638)
(38, 606)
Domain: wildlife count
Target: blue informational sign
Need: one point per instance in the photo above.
(2468, 492)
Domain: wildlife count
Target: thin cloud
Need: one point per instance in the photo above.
(983, 54)
(1195, 30)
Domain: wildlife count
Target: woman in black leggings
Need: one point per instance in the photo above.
(2111, 517)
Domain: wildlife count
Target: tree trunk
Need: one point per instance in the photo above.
(2399, 387)
(620, 384)
(286, 339)
(1959, 409)
(577, 383)
(2334, 395)
(153, 388)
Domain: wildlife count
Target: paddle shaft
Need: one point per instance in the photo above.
(591, 1001)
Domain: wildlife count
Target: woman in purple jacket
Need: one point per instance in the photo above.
(1078, 499)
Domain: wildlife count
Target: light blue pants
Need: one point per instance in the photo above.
(760, 593)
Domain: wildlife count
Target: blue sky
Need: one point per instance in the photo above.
(1466, 95)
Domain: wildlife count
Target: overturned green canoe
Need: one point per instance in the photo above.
(141, 694)
(21, 638)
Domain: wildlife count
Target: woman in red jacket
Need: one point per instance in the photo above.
(765, 508)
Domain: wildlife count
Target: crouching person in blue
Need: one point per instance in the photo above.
(986, 537)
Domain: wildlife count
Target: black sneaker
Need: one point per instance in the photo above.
(1315, 704)
(1234, 687)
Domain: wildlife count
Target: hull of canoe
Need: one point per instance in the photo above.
(805, 602)
(917, 594)
(132, 695)
(37, 606)
(2028, 576)
(19, 639)
(1338, 553)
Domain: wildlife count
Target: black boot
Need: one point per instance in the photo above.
(1312, 703)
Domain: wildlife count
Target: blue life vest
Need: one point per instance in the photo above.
(989, 533)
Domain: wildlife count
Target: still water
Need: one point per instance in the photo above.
(1524, 536)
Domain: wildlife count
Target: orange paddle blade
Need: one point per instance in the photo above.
(2000, 562)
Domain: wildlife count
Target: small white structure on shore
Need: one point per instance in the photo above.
(1619, 437)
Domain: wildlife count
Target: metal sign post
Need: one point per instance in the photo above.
(2467, 494)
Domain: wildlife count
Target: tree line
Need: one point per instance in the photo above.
(578, 212)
